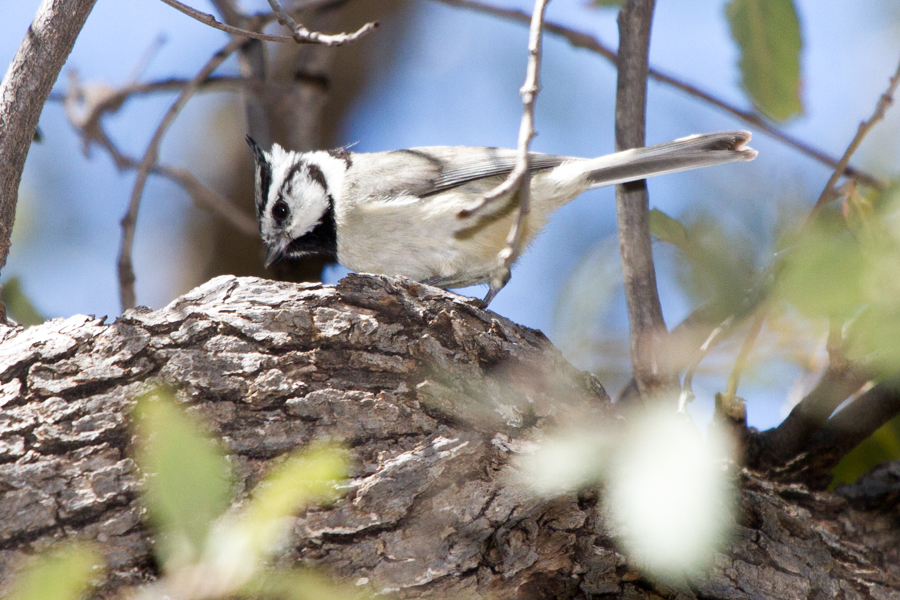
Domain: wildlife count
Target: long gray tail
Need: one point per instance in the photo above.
(692, 152)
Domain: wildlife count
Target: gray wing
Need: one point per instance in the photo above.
(427, 171)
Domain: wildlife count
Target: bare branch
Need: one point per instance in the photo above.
(647, 327)
(587, 42)
(860, 419)
(202, 195)
(794, 435)
(24, 91)
(302, 35)
(519, 179)
(208, 19)
(126, 268)
(822, 449)
(828, 194)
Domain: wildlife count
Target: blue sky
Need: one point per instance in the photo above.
(457, 83)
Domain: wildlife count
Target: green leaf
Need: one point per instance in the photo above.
(301, 479)
(63, 574)
(301, 584)
(823, 276)
(768, 34)
(188, 483)
(607, 3)
(17, 303)
(669, 230)
(881, 447)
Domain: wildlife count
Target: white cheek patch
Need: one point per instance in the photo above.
(308, 203)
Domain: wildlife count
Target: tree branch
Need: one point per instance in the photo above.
(519, 179)
(792, 436)
(208, 19)
(587, 42)
(434, 431)
(302, 35)
(129, 221)
(647, 327)
(828, 194)
(24, 91)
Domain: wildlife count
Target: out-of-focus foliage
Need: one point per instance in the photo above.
(768, 35)
(671, 495)
(668, 491)
(716, 266)
(18, 306)
(300, 480)
(880, 447)
(822, 276)
(607, 3)
(188, 494)
(845, 268)
(301, 584)
(206, 551)
(188, 481)
(65, 573)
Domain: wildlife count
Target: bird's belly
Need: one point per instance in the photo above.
(441, 249)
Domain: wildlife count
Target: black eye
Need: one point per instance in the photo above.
(280, 211)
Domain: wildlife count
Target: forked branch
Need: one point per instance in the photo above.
(519, 179)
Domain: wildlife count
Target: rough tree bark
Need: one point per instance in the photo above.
(435, 397)
(24, 91)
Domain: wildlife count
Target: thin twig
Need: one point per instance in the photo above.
(740, 363)
(208, 19)
(302, 35)
(521, 173)
(587, 42)
(307, 37)
(828, 194)
(129, 221)
(687, 388)
(201, 194)
(519, 179)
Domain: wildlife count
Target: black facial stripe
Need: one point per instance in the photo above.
(263, 173)
(288, 183)
(321, 240)
(316, 174)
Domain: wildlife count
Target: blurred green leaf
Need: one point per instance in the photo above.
(882, 446)
(718, 267)
(62, 574)
(607, 3)
(17, 303)
(669, 230)
(301, 584)
(822, 276)
(188, 484)
(874, 337)
(768, 34)
(303, 478)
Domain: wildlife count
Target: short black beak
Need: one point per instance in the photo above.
(275, 253)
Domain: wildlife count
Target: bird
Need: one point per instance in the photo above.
(404, 212)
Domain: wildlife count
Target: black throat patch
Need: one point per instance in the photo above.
(320, 241)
